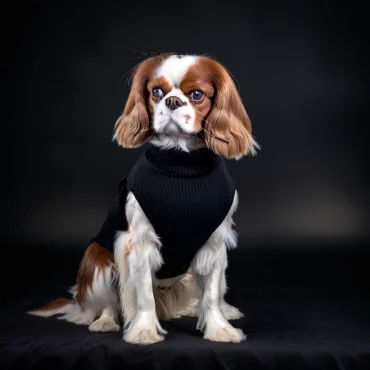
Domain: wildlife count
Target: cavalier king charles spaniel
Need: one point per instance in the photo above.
(162, 251)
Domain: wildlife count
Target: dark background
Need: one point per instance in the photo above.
(302, 71)
(302, 268)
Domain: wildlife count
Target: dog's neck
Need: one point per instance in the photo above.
(182, 164)
(182, 143)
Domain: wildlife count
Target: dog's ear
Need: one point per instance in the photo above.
(227, 129)
(133, 128)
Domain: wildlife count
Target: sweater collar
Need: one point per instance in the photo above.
(178, 163)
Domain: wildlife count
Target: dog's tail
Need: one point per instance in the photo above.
(59, 306)
(69, 309)
(175, 300)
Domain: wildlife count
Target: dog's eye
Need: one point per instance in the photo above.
(196, 95)
(157, 92)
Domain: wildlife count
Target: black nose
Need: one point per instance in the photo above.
(173, 102)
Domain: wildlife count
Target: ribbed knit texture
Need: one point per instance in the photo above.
(185, 196)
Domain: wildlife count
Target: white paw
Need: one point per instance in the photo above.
(104, 324)
(142, 336)
(224, 334)
(231, 312)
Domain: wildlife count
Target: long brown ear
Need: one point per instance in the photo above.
(227, 128)
(132, 128)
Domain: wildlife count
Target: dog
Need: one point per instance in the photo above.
(167, 232)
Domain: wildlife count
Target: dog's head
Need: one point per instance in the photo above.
(185, 100)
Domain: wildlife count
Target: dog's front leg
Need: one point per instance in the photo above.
(209, 267)
(145, 327)
(137, 257)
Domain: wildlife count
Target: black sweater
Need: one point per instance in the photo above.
(185, 196)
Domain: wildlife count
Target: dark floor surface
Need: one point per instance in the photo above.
(305, 309)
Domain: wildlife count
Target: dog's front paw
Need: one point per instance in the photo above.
(136, 335)
(231, 312)
(224, 334)
(144, 329)
(104, 324)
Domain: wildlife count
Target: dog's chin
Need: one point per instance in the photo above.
(174, 130)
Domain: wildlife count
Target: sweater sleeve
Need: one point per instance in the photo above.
(115, 220)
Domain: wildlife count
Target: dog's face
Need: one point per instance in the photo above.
(178, 97)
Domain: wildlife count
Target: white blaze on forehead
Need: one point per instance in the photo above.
(175, 68)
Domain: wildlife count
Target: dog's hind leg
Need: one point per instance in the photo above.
(94, 295)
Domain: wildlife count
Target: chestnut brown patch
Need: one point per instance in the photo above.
(226, 126)
(161, 82)
(58, 303)
(133, 128)
(197, 78)
(95, 257)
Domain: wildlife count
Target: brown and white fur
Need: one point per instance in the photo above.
(218, 121)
